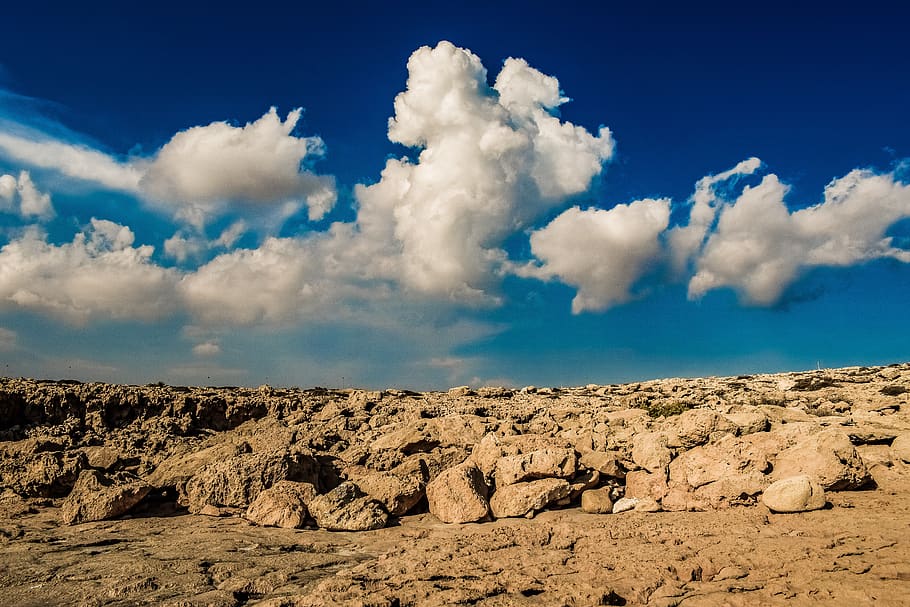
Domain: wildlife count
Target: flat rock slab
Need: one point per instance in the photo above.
(97, 497)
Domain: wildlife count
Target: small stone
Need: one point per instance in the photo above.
(625, 504)
(794, 494)
(597, 501)
(647, 504)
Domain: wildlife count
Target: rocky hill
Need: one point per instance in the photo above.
(750, 490)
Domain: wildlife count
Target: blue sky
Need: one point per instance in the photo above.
(566, 193)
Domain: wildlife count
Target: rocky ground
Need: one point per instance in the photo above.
(755, 490)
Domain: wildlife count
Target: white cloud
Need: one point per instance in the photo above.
(686, 241)
(22, 197)
(207, 349)
(204, 170)
(493, 159)
(759, 247)
(98, 274)
(73, 160)
(601, 253)
(189, 245)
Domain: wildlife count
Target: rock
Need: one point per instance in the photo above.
(424, 435)
(597, 501)
(647, 504)
(522, 499)
(347, 508)
(649, 450)
(545, 463)
(605, 462)
(900, 448)
(695, 427)
(177, 469)
(284, 504)
(485, 454)
(624, 504)
(102, 458)
(236, 481)
(459, 495)
(583, 482)
(794, 494)
(748, 422)
(398, 490)
(39, 468)
(642, 484)
(97, 497)
(827, 456)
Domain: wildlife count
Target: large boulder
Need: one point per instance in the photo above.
(545, 463)
(696, 427)
(642, 484)
(900, 448)
(828, 456)
(459, 495)
(424, 435)
(98, 497)
(39, 467)
(236, 481)
(284, 504)
(794, 494)
(605, 462)
(175, 470)
(650, 451)
(524, 499)
(347, 508)
(399, 489)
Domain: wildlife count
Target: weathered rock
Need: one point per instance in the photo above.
(748, 421)
(347, 508)
(643, 484)
(236, 481)
(650, 451)
(398, 490)
(177, 469)
(39, 468)
(597, 501)
(284, 504)
(545, 463)
(624, 504)
(827, 456)
(900, 448)
(522, 499)
(459, 495)
(696, 427)
(424, 435)
(97, 497)
(794, 494)
(647, 504)
(605, 462)
(583, 482)
(102, 458)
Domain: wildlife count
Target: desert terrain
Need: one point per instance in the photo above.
(784, 489)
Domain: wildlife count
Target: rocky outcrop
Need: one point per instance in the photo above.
(97, 497)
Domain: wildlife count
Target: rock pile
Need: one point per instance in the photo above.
(353, 460)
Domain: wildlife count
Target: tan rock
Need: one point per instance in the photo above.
(605, 462)
(794, 494)
(597, 501)
(900, 448)
(695, 427)
(97, 497)
(643, 484)
(827, 456)
(284, 504)
(459, 495)
(583, 482)
(523, 499)
(647, 504)
(545, 463)
(748, 421)
(650, 451)
(398, 490)
(347, 508)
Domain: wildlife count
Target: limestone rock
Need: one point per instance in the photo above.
(424, 435)
(177, 469)
(459, 495)
(236, 481)
(794, 494)
(647, 504)
(900, 448)
(650, 451)
(828, 456)
(624, 504)
(748, 421)
(284, 504)
(522, 499)
(545, 463)
(347, 508)
(583, 482)
(398, 490)
(97, 497)
(642, 484)
(695, 427)
(605, 462)
(597, 501)
(39, 468)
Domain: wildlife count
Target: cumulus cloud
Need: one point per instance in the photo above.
(492, 160)
(207, 349)
(189, 245)
(205, 169)
(685, 241)
(99, 274)
(760, 247)
(600, 252)
(22, 197)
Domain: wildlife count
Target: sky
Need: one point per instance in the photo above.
(434, 194)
